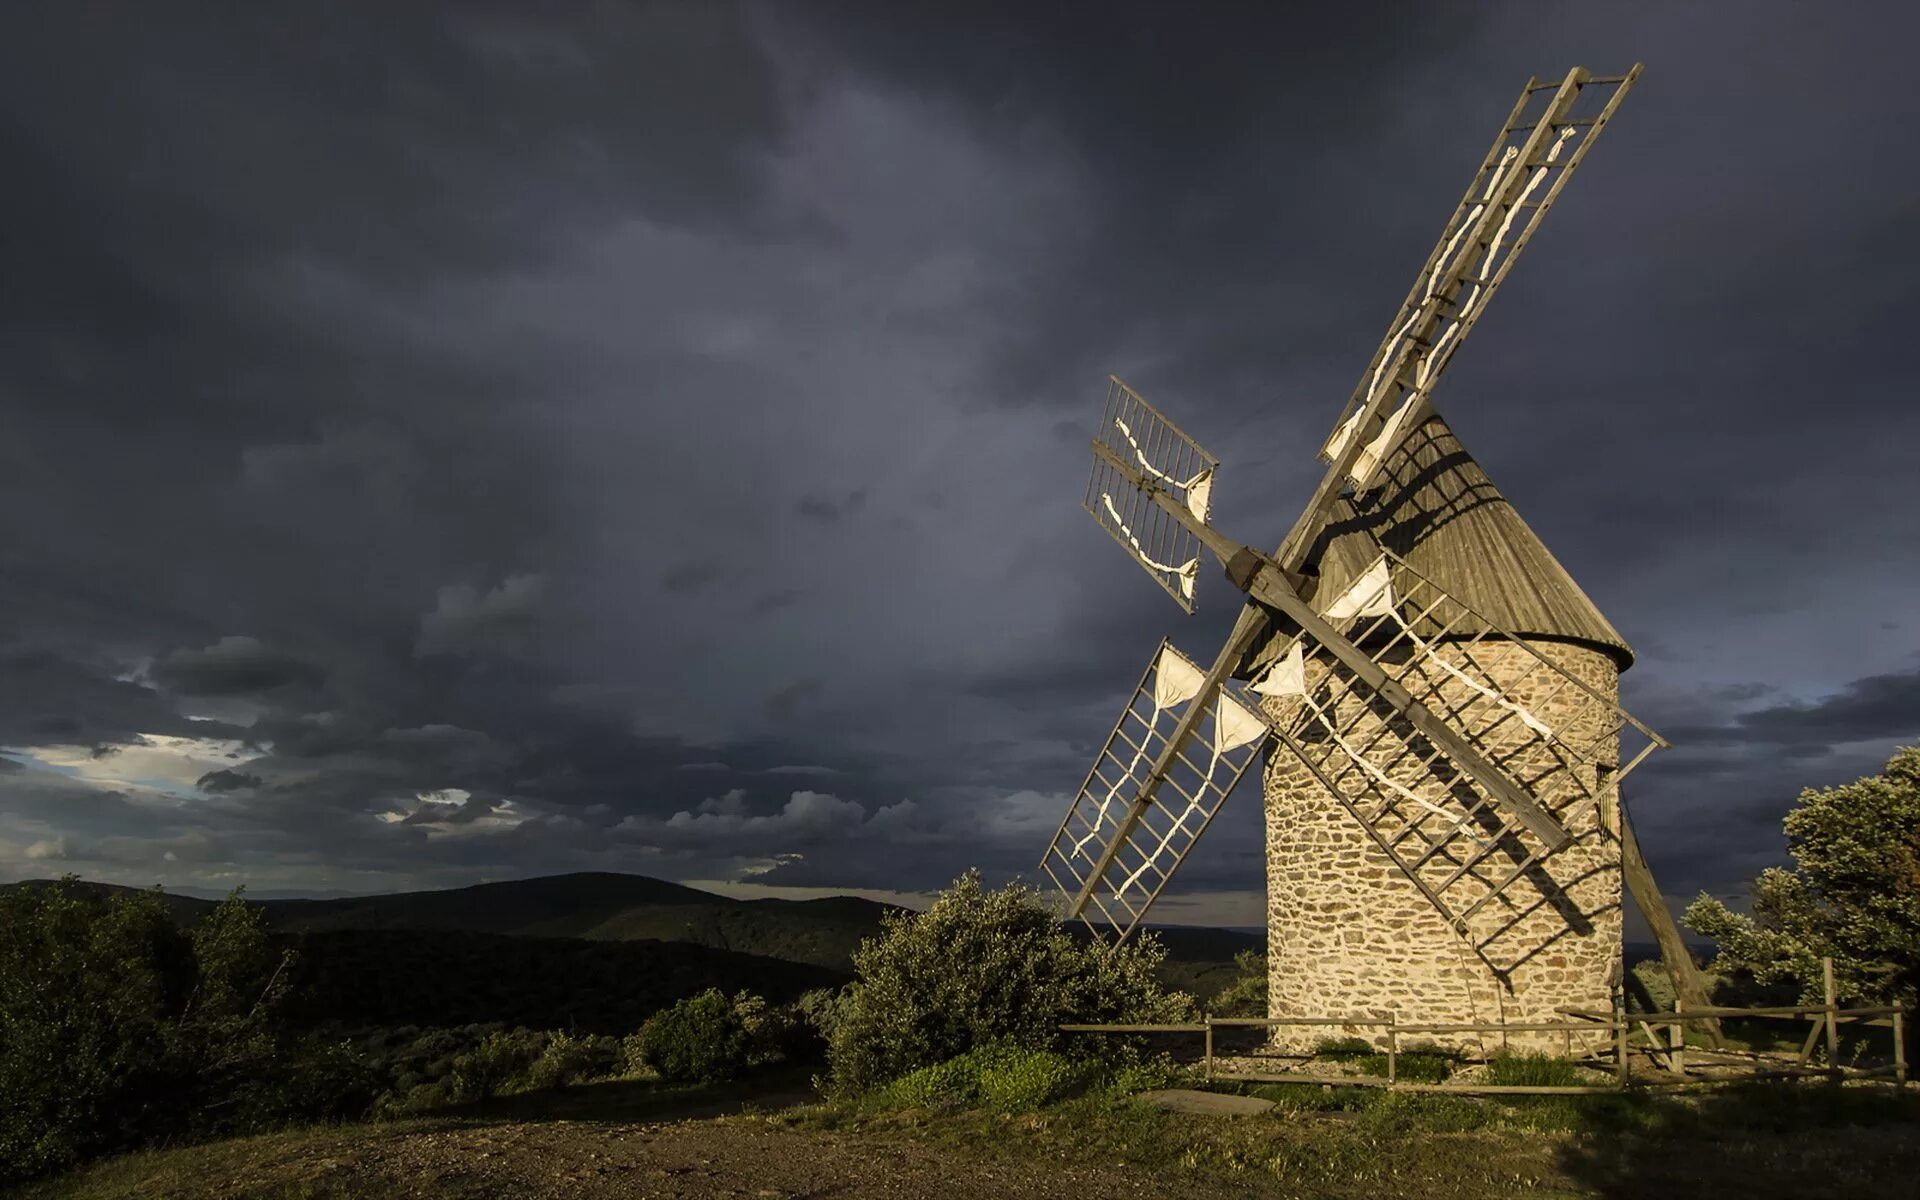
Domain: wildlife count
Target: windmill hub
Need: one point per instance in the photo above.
(1445, 842)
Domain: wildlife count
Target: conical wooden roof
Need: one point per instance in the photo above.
(1436, 508)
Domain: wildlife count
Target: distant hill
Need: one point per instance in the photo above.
(391, 977)
(608, 907)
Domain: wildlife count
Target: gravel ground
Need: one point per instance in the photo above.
(735, 1157)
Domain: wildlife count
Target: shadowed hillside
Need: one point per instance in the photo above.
(390, 977)
(603, 907)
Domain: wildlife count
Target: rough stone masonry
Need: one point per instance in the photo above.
(1350, 935)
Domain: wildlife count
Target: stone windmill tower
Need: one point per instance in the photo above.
(1444, 835)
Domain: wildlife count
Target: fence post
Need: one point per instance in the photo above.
(1393, 1049)
(1207, 1020)
(1678, 1038)
(1833, 1022)
(1620, 1044)
(1899, 1048)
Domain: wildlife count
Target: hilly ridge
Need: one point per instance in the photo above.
(610, 907)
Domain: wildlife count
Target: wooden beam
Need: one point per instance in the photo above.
(1689, 986)
(1269, 586)
(1251, 624)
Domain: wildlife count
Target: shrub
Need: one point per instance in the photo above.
(121, 1029)
(821, 1009)
(980, 968)
(1022, 1080)
(700, 1039)
(1133, 1074)
(490, 1068)
(1246, 996)
(564, 1060)
(1001, 1077)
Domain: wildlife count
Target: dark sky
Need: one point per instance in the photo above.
(439, 443)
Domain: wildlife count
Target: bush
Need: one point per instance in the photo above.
(980, 968)
(1246, 996)
(490, 1068)
(120, 1029)
(1003, 1078)
(564, 1061)
(701, 1039)
(1131, 1074)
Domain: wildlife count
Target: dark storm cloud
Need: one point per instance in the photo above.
(772, 602)
(227, 780)
(689, 578)
(829, 509)
(233, 666)
(649, 437)
(50, 697)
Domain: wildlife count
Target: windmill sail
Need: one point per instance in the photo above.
(1127, 829)
(1543, 142)
(1458, 847)
(1155, 451)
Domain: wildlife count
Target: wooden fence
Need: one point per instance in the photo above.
(1671, 1053)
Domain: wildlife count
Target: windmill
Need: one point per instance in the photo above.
(1444, 834)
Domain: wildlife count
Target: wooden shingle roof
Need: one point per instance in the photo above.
(1437, 509)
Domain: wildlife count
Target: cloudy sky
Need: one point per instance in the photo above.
(440, 444)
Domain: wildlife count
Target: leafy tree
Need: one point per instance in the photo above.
(981, 968)
(117, 1028)
(1853, 894)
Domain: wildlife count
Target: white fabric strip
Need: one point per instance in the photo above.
(1337, 444)
(1202, 481)
(1185, 574)
(1379, 777)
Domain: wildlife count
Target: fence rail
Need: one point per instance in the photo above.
(1671, 1053)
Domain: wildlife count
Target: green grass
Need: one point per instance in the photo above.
(1749, 1143)
(1355, 1141)
(1533, 1070)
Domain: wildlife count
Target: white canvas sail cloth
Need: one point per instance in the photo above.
(1175, 681)
(1234, 726)
(1371, 595)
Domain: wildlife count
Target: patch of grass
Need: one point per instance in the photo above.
(1533, 1070)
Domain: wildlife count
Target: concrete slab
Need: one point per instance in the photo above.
(1212, 1104)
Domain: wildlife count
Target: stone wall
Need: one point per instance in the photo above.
(1350, 934)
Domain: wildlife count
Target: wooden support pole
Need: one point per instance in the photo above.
(1208, 1021)
(1677, 1034)
(1899, 1050)
(1393, 1051)
(1620, 1045)
(1688, 984)
(1813, 1035)
(1833, 1026)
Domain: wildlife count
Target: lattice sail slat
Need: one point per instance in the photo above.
(1458, 846)
(1136, 433)
(1543, 142)
(1153, 827)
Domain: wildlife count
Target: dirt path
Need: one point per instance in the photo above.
(698, 1160)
